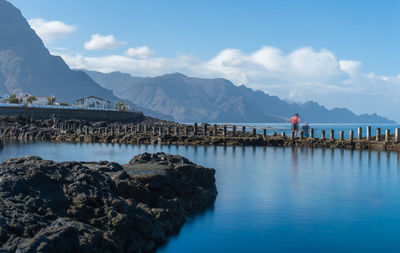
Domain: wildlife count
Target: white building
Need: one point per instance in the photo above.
(94, 102)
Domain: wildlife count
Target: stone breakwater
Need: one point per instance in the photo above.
(153, 131)
(49, 206)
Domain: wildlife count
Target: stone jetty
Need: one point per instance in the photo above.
(154, 131)
(49, 206)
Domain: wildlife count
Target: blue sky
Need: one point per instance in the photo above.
(334, 52)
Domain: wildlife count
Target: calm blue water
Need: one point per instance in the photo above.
(274, 199)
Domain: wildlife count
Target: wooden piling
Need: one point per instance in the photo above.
(177, 131)
(186, 130)
(283, 135)
(233, 130)
(396, 135)
(323, 134)
(351, 135)
(292, 136)
(341, 135)
(224, 131)
(254, 132)
(205, 132)
(387, 135)
(359, 133)
(264, 133)
(215, 130)
(368, 133)
(378, 134)
(301, 134)
(243, 131)
(195, 129)
(312, 133)
(332, 134)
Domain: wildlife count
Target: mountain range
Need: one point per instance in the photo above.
(26, 66)
(190, 99)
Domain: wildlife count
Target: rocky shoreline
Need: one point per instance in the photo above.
(52, 206)
(154, 131)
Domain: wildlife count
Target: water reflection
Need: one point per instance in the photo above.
(274, 199)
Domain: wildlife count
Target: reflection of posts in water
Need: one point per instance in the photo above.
(378, 159)
(397, 160)
(388, 160)
(294, 159)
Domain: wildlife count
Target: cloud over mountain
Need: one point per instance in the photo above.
(100, 42)
(50, 31)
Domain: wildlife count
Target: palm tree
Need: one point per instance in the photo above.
(13, 99)
(31, 99)
(51, 100)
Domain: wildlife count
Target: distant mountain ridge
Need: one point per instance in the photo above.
(26, 66)
(190, 99)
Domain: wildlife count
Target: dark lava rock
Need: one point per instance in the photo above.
(98, 206)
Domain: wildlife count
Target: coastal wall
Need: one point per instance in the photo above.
(69, 114)
(162, 132)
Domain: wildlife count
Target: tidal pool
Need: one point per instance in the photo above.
(273, 199)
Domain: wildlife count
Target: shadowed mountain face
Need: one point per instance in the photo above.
(27, 66)
(191, 99)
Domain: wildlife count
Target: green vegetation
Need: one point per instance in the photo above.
(51, 100)
(31, 99)
(64, 104)
(13, 99)
(121, 106)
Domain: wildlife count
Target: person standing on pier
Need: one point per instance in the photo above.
(295, 120)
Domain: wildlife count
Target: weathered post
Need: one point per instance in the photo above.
(169, 130)
(312, 133)
(154, 131)
(80, 128)
(264, 132)
(126, 129)
(138, 128)
(378, 134)
(112, 130)
(225, 131)
(387, 135)
(195, 129)
(368, 133)
(292, 135)
(341, 136)
(215, 130)
(254, 132)
(359, 133)
(332, 134)
(301, 135)
(186, 130)
(351, 135)
(397, 135)
(205, 129)
(177, 131)
(283, 135)
(233, 130)
(160, 131)
(146, 129)
(322, 134)
(243, 131)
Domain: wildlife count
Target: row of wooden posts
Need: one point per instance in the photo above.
(194, 130)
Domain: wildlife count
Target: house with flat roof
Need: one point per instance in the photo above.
(93, 102)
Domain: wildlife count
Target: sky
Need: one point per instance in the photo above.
(337, 53)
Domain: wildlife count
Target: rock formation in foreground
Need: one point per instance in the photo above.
(98, 206)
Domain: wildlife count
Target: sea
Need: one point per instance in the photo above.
(274, 199)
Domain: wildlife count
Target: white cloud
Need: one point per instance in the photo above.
(139, 52)
(50, 31)
(301, 75)
(99, 42)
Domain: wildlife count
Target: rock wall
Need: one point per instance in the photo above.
(69, 114)
(98, 206)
